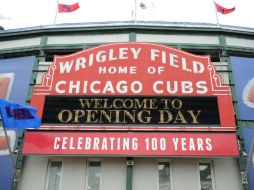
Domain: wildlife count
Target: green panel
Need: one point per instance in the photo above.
(129, 175)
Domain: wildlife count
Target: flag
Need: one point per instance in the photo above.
(11, 137)
(147, 5)
(18, 116)
(63, 8)
(223, 10)
(142, 5)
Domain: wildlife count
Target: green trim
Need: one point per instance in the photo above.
(129, 175)
(44, 40)
(222, 40)
(34, 74)
(52, 47)
(103, 29)
(132, 37)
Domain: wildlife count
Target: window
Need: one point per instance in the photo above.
(222, 69)
(206, 178)
(93, 175)
(164, 176)
(54, 175)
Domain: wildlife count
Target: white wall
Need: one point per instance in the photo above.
(79, 39)
(33, 173)
(113, 174)
(184, 173)
(145, 174)
(227, 174)
(22, 43)
(181, 39)
(73, 176)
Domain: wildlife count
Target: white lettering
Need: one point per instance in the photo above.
(192, 145)
(173, 60)
(56, 143)
(64, 143)
(155, 87)
(101, 56)
(58, 90)
(88, 143)
(154, 54)
(183, 141)
(135, 52)
(175, 141)
(92, 87)
(75, 87)
(71, 144)
(104, 144)
(208, 144)
(65, 67)
(134, 144)
(121, 87)
(198, 67)
(187, 87)
(123, 53)
(96, 142)
(80, 63)
(111, 55)
(108, 88)
(202, 88)
(200, 144)
(80, 142)
(136, 87)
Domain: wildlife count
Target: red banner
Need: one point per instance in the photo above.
(130, 144)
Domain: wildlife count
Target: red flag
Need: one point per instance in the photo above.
(223, 10)
(63, 8)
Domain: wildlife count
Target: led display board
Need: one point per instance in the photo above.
(131, 110)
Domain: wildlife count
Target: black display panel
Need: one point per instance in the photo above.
(131, 110)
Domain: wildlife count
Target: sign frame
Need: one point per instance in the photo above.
(147, 70)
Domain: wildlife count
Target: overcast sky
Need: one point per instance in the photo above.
(26, 13)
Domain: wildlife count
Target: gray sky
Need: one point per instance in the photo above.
(26, 13)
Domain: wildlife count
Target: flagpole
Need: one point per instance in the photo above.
(249, 157)
(8, 144)
(135, 12)
(56, 12)
(216, 13)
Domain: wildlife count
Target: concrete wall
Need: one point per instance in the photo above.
(145, 175)
(73, 173)
(184, 173)
(73, 177)
(227, 174)
(113, 174)
(33, 173)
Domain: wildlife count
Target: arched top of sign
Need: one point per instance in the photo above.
(132, 69)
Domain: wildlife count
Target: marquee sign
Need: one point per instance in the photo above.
(131, 144)
(134, 70)
(141, 110)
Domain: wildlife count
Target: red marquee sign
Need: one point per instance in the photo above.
(135, 69)
(130, 144)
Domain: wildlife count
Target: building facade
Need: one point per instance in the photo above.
(134, 107)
